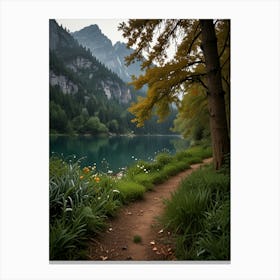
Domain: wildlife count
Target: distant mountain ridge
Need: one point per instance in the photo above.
(113, 56)
(86, 96)
(80, 62)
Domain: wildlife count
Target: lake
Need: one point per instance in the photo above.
(116, 152)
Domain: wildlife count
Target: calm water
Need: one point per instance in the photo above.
(114, 153)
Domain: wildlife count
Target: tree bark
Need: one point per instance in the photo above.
(216, 100)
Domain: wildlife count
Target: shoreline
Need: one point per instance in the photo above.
(114, 135)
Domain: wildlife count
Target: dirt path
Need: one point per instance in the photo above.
(139, 218)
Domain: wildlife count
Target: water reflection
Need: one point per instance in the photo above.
(117, 151)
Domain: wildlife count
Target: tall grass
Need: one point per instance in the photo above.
(165, 165)
(80, 200)
(199, 213)
(130, 190)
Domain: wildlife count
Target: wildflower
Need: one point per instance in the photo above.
(96, 179)
(86, 170)
(81, 177)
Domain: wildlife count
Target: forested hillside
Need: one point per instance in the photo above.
(87, 97)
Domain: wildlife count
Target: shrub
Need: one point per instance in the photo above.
(200, 151)
(145, 180)
(163, 159)
(130, 190)
(158, 177)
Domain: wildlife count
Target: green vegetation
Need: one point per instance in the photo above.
(85, 109)
(130, 190)
(81, 200)
(199, 214)
(205, 45)
(137, 239)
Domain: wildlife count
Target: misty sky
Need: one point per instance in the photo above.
(109, 27)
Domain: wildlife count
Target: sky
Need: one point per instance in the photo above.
(109, 27)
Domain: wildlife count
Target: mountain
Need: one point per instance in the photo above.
(74, 69)
(82, 89)
(113, 56)
(86, 96)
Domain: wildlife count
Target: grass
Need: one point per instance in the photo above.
(130, 190)
(81, 200)
(137, 239)
(199, 213)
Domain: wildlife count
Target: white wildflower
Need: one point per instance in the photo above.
(116, 191)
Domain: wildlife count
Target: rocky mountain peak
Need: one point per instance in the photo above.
(112, 56)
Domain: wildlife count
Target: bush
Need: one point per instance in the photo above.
(157, 177)
(130, 190)
(163, 159)
(94, 126)
(144, 180)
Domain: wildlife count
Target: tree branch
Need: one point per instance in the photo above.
(202, 83)
(224, 63)
(225, 44)
(194, 39)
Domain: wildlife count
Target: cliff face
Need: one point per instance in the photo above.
(112, 56)
(83, 89)
(73, 69)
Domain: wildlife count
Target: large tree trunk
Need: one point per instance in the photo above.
(216, 101)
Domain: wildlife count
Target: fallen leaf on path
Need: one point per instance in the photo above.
(110, 229)
(155, 249)
(103, 258)
(129, 213)
(152, 242)
(161, 231)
